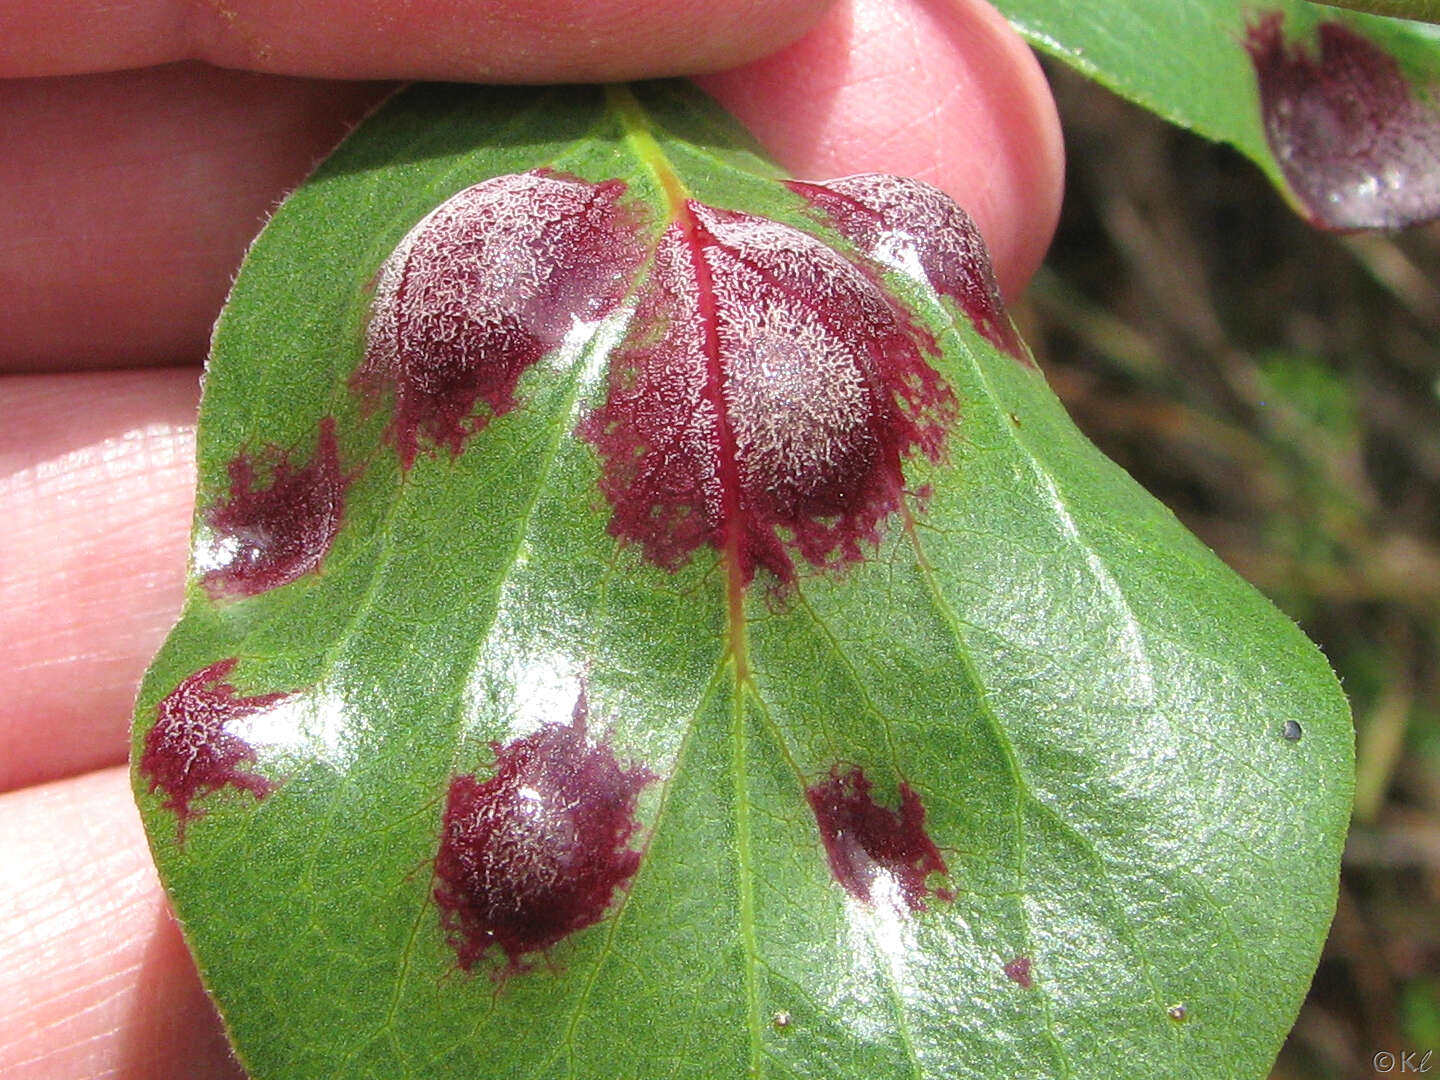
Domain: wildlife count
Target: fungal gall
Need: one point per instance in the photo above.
(482, 288)
(1358, 147)
(765, 399)
(538, 850)
(875, 852)
(910, 225)
(188, 753)
(1018, 972)
(265, 537)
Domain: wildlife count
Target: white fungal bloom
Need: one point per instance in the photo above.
(484, 258)
(795, 393)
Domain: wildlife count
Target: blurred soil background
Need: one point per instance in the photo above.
(1279, 389)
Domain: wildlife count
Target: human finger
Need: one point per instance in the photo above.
(130, 199)
(493, 41)
(96, 980)
(118, 238)
(96, 478)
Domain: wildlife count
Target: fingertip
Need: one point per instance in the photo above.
(943, 90)
(130, 198)
(97, 979)
(460, 40)
(96, 488)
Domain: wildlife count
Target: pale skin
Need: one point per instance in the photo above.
(130, 192)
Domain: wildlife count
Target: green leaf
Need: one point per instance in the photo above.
(1338, 108)
(1425, 10)
(989, 770)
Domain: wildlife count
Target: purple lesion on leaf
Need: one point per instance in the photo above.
(1018, 972)
(910, 225)
(539, 849)
(267, 535)
(1359, 147)
(763, 402)
(483, 287)
(188, 752)
(879, 855)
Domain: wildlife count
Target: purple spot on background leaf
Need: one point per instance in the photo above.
(538, 850)
(1018, 972)
(482, 288)
(909, 224)
(188, 753)
(764, 399)
(1359, 148)
(876, 853)
(269, 536)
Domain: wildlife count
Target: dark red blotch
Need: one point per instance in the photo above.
(865, 841)
(538, 850)
(481, 289)
(1358, 147)
(764, 400)
(264, 537)
(1018, 972)
(188, 753)
(885, 216)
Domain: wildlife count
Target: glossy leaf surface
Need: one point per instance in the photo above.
(1338, 107)
(752, 672)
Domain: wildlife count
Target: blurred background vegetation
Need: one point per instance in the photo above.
(1279, 389)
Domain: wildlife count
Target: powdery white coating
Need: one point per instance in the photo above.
(908, 224)
(483, 287)
(767, 386)
(538, 850)
(270, 536)
(800, 389)
(800, 404)
(1357, 146)
(188, 753)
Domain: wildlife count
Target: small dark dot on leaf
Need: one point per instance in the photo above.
(1018, 971)
(1015, 419)
(1178, 1012)
(1292, 731)
(782, 1019)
